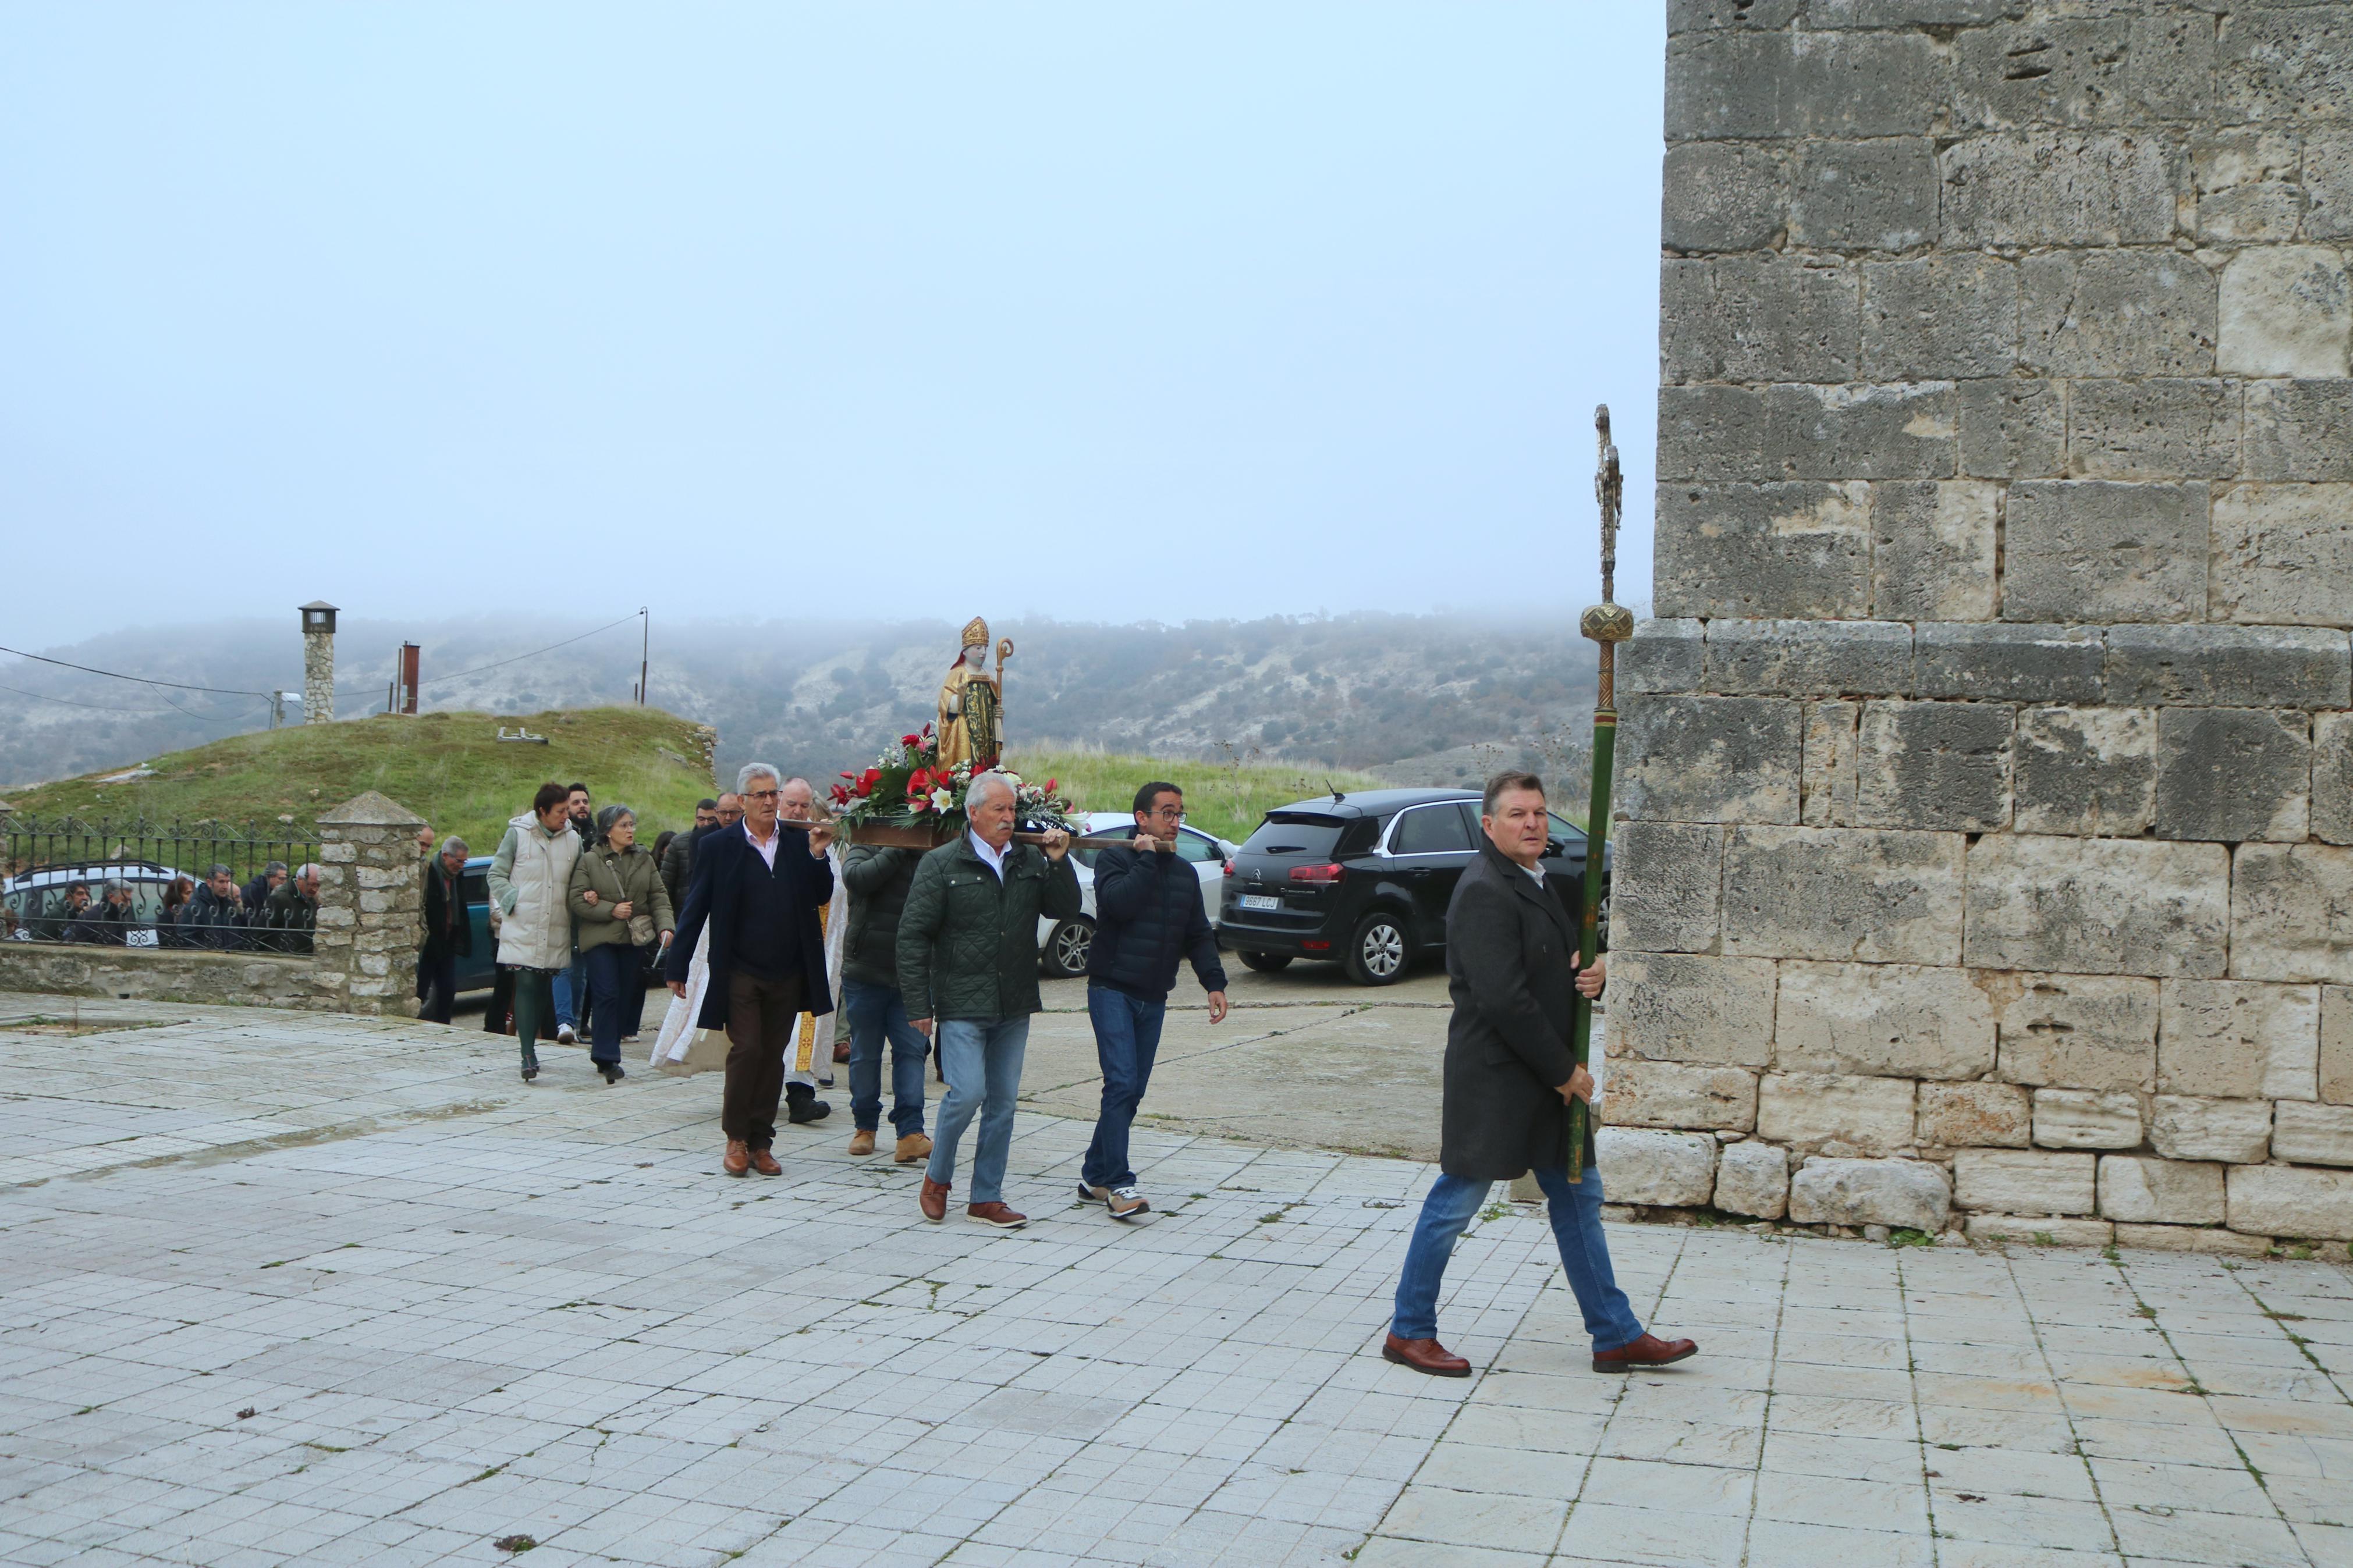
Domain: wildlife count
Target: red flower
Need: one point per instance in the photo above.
(919, 782)
(841, 794)
(1049, 786)
(918, 804)
(849, 775)
(910, 740)
(864, 784)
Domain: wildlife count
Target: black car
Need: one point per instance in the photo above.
(1365, 879)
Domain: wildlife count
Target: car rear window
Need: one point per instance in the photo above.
(1292, 834)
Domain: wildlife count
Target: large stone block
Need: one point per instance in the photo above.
(1825, 13)
(2012, 428)
(1904, 431)
(1709, 758)
(2283, 555)
(1641, 1093)
(2037, 1230)
(2299, 430)
(2292, 1201)
(1942, 316)
(2087, 1119)
(2097, 906)
(1709, 431)
(2227, 667)
(2292, 913)
(2328, 181)
(1753, 1178)
(2164, 427)
(1808, 658)
(1688, 1007)
(2160, 1191)
(1798, 549)
(1841, 1115)
(2087, 65)
(2117, 312)
(1723, 195)
(2040, 187)
(2087, 770)
(2312, 1134)
(2246, 187)
(1670, 1169)
(2235, 1132)
(1874, 897)
(2006, 662)
(2094, 550)
(2231, 774)
(1865, 195)
(1936, 765)
(1826, 781)
(2337, 1045)
(1701, 16)
(2078, 1031)
(1933, 550)
(2238, 1039)
(2193, 1238)
(1666, 888)
(1741, 85)
(2284, 309)
(2024, 1181)
(1663, 655)
(1974, 1116)
(1892, 1020)
(1758, 318)
(1910, 1194)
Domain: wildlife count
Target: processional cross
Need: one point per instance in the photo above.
(1608, 623)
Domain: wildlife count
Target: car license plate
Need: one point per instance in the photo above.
(1261, 901)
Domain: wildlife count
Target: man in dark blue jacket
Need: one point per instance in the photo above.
(1148, 915)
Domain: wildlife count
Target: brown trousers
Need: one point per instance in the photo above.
(762, 1016)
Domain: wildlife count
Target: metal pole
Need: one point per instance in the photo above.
(645, 650)
(1608, 623)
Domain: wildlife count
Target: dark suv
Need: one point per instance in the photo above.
(1365, 879)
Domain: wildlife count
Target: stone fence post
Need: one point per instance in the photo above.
(371, 906)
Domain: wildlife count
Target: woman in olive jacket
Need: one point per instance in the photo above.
(622, 909)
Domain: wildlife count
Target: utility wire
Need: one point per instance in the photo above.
(534, 653)
(98, 707)
(143, 680)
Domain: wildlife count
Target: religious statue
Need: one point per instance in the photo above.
(971, 703)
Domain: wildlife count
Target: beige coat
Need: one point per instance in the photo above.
(531, 877)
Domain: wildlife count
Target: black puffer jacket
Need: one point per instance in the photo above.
(879, 880)
(1148, 915)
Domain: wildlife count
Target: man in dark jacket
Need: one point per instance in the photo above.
(760, 887)
(968, 959)
(292, 912)
(106, 923)
(678, 859)
(215, 917)
(1511, 960)
(879, 878)
(1148, 914)
(256, 892)
(449, 931)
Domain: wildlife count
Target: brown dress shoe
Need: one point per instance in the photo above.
(863, 1141)
(914, 1146)
(841, 1052)
(997, 1215)
(1647, 1350)
(737, 1160)
(934, 1199)
(765, 1163)
(1424, 1355)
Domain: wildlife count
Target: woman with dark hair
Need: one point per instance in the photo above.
(174, 913)
(530, 878)
(622, 908)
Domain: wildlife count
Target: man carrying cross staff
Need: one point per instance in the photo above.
(1519, 1092)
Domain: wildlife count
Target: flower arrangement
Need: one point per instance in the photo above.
(906, 787)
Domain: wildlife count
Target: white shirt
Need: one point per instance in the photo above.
(768, 850)
(993, 858)
(1536, 871)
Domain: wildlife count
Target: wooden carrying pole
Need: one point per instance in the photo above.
(1608, 623)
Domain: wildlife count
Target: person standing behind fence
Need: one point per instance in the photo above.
(109, 921)
(293, 913)
(256, 892)
(622, 908)
(531, 877)
(449, 931)
(171, 920)
(215, 917)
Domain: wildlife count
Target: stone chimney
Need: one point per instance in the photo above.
(318, 662)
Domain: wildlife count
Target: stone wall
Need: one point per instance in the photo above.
(160, 974)
(371, 906)
(1986, 851)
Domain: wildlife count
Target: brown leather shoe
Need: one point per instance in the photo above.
(1647, 1350)
(934, 1199)
(1424, 1355)
(914, 1146)
(863, 1141)
(841, 1052)
(737, 1160)
(997, 1215)
(765, 1163)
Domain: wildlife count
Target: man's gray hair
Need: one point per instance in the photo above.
(218, 871)
(750, 770)
(117, 885)
(455, 845)
(991, 779)
(274, 867)
(308, 873)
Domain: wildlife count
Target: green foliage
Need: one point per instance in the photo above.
(1904, 1236)
(1226, 799)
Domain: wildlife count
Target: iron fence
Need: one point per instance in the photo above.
(135, 883)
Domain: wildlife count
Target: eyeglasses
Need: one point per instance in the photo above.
(1169, 813)
(761, 793)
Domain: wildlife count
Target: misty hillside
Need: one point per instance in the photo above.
(1417, 699)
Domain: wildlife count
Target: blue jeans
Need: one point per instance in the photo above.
(615, 970)
(1575, 1214)
(571, 986)
(1128, 1037)
(983, 1064)
(877, 1013)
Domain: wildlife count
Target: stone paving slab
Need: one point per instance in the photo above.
(458, 1309)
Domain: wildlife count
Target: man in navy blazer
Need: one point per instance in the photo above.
(760, 886)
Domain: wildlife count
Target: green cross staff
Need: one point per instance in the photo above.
(1608, 623)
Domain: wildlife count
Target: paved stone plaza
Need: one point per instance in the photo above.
(294, 1289)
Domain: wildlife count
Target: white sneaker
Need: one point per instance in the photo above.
(564, 1036)
(1120, 1203)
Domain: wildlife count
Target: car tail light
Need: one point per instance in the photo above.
(1229, 868)
(1316, 946)
(1318, 876)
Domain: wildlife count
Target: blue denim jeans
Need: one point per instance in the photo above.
(983, 1064)
(1128, 1037)
(571, 988)
(614, 972)
(877, 1013)
(1576, 1213)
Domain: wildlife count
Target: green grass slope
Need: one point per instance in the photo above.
(451, 768)
(1226, 799)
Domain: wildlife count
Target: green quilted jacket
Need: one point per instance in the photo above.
(968, 943)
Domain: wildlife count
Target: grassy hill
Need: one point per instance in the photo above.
(449, 767)
(1226, 799)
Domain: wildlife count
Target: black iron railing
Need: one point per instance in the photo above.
(136, 883)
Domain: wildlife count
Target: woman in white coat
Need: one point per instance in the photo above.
(530, 877)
